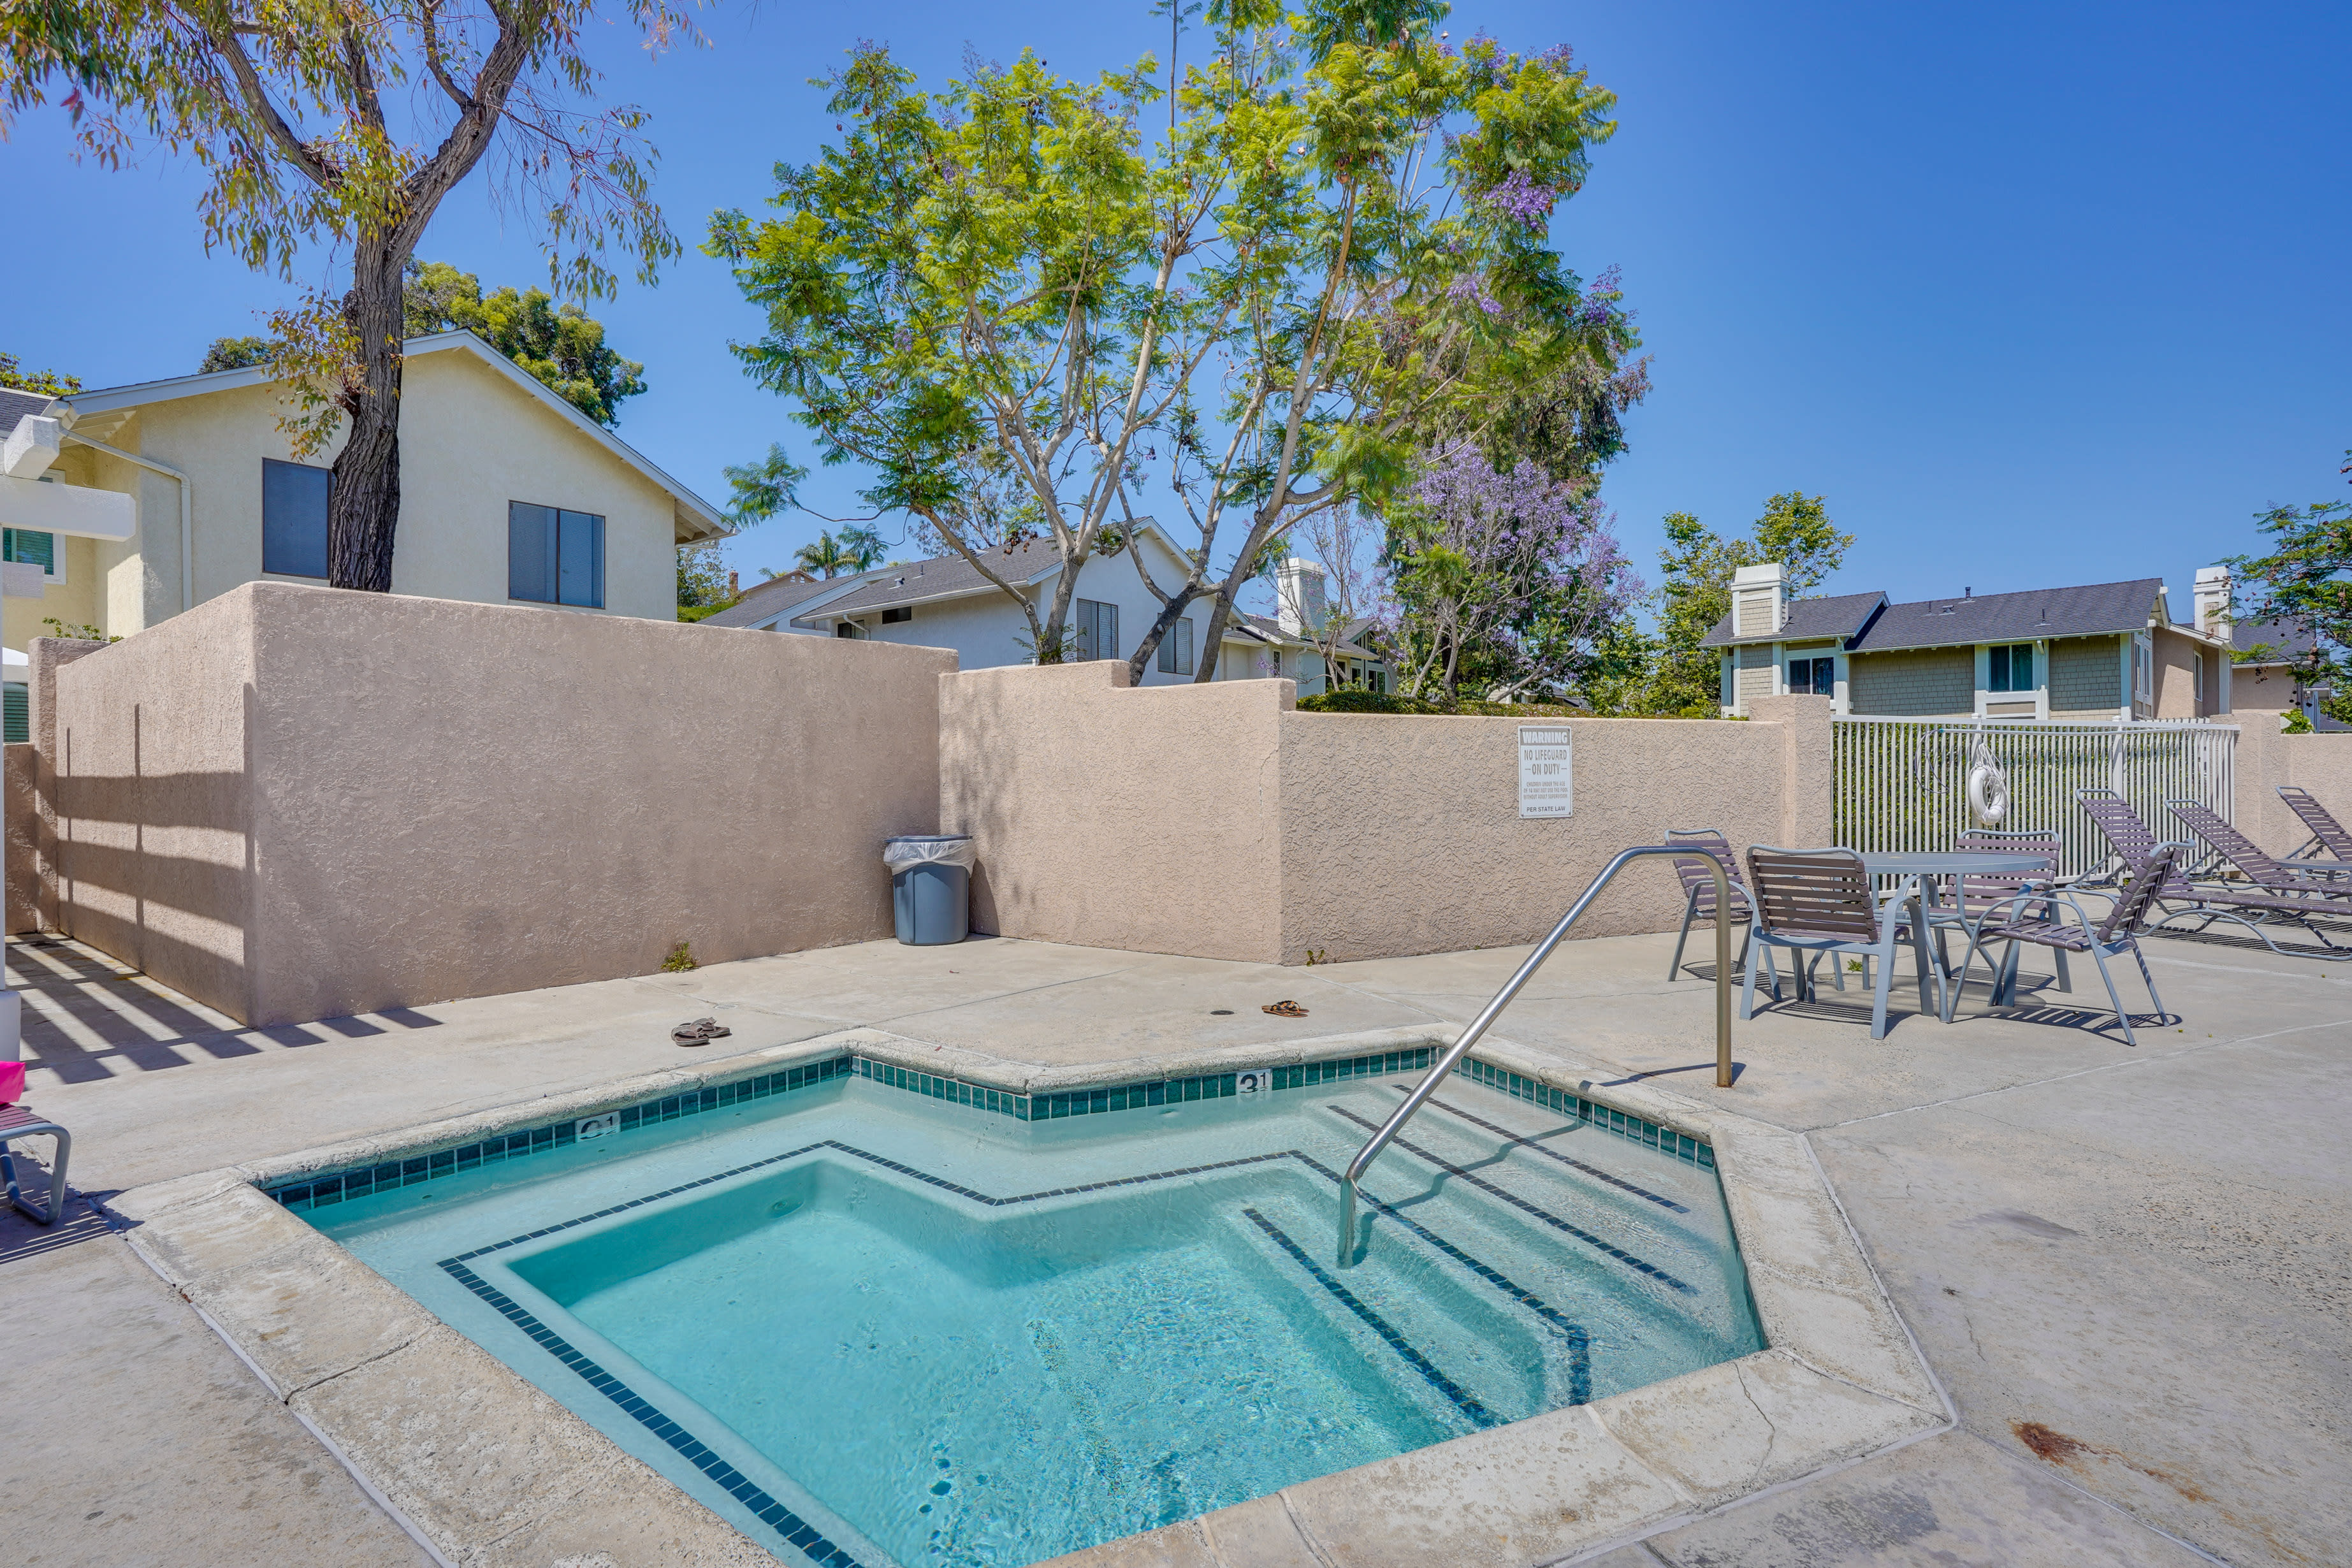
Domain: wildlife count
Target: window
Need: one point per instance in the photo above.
(1176, 650)
(2199, 667)
(1097, 630)
(1812, 677)
(294, 518)
(15, 714)
(849, 629)
(2010, 668)
(554, 557)
(903, 613)
(1380, 681)
(2143, 669)
(32, 548)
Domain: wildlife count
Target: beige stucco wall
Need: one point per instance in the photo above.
(1144, 818)
(23, 907)
(2270, 689)
(1218, 821)
(2176, 658)
(2266, 759)
(298, 803)
(471, 441)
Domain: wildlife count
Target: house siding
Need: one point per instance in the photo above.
(2086, 677)
(1924, 682)
(1755, 677)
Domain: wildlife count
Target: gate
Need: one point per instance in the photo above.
(1902, 784)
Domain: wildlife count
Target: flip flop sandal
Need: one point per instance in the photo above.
(699, 1031)
(1286, 1009)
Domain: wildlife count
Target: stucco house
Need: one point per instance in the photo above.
(509, 495)
(944, 602)
(2102, 651)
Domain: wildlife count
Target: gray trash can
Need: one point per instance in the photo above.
(930, 887)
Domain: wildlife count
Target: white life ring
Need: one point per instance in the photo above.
(1987, 790)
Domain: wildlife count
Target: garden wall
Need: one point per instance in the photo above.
(1216, 821)
(293, 803)
(2321, 763)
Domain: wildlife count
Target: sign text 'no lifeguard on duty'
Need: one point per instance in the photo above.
(1547, 780)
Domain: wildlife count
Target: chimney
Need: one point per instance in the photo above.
(1759, 605)
(734, 588)
(2212, 599)
(1298, 592)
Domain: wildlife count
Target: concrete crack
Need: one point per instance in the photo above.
(1772, 1433)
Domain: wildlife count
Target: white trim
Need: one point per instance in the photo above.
(708, 522)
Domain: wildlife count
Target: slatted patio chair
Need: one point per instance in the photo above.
(2271, 895)
(2325, 831)
(1698, 889)
(1818, 902)
(2031, 918)
(18, 1120)
(1978, 894)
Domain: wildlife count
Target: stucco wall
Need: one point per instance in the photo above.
(297, 803)
(1145, 819)
(2321, 763)
(1218, 821)
(2269, 689)
(2176, 657)
(23, 907)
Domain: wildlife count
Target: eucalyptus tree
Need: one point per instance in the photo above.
(1032, 313)
(344, 124)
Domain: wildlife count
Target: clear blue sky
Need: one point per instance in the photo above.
(2032, 294)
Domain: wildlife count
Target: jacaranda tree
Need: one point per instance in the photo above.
(1036, 307)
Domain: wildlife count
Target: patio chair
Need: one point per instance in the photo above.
(2030, 918)
(1698, 889)
(1977, 894)
(22, 1122)
(1820, 902)
(2325, 831)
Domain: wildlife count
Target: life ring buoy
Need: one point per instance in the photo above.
(1987, 790)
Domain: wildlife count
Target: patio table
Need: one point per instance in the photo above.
(1918, 869)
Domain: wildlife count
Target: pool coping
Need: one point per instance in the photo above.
(483, 1468)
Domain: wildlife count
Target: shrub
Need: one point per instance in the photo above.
(1352, 699)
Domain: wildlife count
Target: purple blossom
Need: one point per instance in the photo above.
(1471, 288)
(1559, 58)
(1520, 199)
(1600, 298)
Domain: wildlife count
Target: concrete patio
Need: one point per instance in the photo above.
(2131, 1268)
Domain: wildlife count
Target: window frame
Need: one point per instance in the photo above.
(1175, 657)
(1812, 663)
(1090, 615)
(897, 615)
(53, 570)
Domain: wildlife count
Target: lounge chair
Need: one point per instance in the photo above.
(2325, 831)
(2272, 894)
(22, 1122)
(1818, 902)
(2031, 918)
(1698, 888)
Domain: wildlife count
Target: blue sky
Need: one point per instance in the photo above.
(2031, 294)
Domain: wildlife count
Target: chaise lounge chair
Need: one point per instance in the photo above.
(2326, 832)
(2272, 894)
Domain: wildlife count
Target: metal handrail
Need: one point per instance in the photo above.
(1493, 1010)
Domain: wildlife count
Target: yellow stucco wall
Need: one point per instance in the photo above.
(471, 441)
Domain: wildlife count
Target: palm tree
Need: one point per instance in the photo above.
(862, 546)
(826, 556)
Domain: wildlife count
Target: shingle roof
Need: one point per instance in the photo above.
(1837, 616)
(943, 577)
(2086, 611)
(15, 404)
(772, 597)
(2287, 641)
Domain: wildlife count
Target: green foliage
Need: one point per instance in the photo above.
(1355, 700)
(703, 588)
(233, 353)
(2295, 722)
(1682, 679)
(1020, 309)
(856, 549)
(679, 960)
(561, 345)
(78, 631)
(46, 383)
(2305, 580)
(763, 489)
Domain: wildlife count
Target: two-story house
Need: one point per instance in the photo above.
(508, 495)
(2102, 651)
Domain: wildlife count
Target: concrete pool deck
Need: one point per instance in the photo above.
(2127, 1266)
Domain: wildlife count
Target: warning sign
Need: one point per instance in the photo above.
(1547, 780)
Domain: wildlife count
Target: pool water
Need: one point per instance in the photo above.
(871, 1328)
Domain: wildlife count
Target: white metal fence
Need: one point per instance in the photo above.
(1902, 784)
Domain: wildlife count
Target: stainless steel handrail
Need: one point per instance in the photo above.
(1493, 1010)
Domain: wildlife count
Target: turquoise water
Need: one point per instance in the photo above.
(887, 1329)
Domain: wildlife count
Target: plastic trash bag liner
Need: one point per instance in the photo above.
(943, 849)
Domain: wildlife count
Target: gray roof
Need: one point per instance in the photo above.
(1837, 616)
(772, 597)
(944, 577)
(2288, 641)
(2087, 611)
(15, 404)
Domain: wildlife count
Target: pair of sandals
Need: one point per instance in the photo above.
(700, 1032)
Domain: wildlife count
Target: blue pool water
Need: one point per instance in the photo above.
(871, 1328)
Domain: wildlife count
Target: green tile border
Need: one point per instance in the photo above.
(1690, 1151)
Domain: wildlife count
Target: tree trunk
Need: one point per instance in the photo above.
(363, 502)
